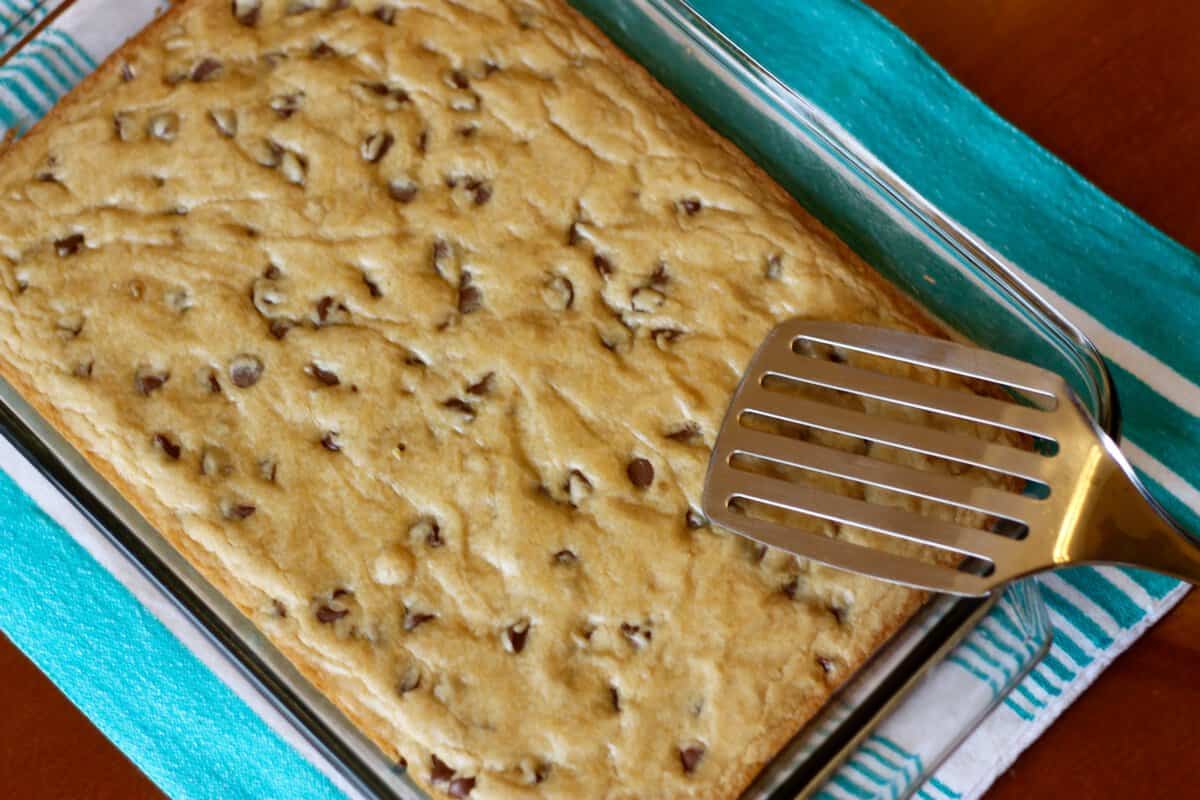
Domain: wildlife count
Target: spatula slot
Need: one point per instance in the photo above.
(812, 513)
(888, 457)
(1001, 375)
(893, 487)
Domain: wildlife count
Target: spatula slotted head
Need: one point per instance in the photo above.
(813, 386)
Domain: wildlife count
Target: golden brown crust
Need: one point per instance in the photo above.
(683, 640)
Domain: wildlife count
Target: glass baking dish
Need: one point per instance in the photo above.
(943, 267)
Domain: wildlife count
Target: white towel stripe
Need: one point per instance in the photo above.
(1162, 474)
(1092, 610)
(1133, 359)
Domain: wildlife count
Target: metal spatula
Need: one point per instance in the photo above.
(1091, 508)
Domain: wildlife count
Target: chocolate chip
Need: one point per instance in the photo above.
(441, 259)
(686, 433)
(427, 530)
(460, 787)
(205, 69)
(380, 89)
(467, 131)
(68, 245)
(147, 379)
(246, 11)
(245, 370)
(240, 511)
(638, 635)
(461, 406)
(573, 236)
(285, 105)
(690, 755)
(376, 146)
(279, 327)
(482, 193)
(211, 381)
(327, 615)
(127, 73)
(774, 267)
(403, 191)
(323, 307)
(640, 472)
(602, 265)
(439, 771)
(372, 287)
(279, 608)
(659, 278)
(470, 298)
(385, 14)
(827, 665)
(401, 766)
(168, 445)
(614, 697)
(329, 442)
(690, 206)
(410, 681)
(694, 519)
(840, 612)
(482, 386)
(376, 87)
(325, 376)
(515, 636)
(566, 558)
(458, 79)
(664, 336)
(413, 619)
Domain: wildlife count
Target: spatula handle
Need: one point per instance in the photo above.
(1123, 524)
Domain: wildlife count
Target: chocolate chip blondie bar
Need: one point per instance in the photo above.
(410, 324)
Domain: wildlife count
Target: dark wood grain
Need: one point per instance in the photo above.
(50, 751)
(1113, 88)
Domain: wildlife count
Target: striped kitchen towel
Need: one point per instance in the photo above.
(195, 727)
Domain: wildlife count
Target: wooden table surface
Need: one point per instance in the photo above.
(1112, 87)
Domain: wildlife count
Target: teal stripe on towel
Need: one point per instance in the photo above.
(1101, 591)
(1082, 622)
